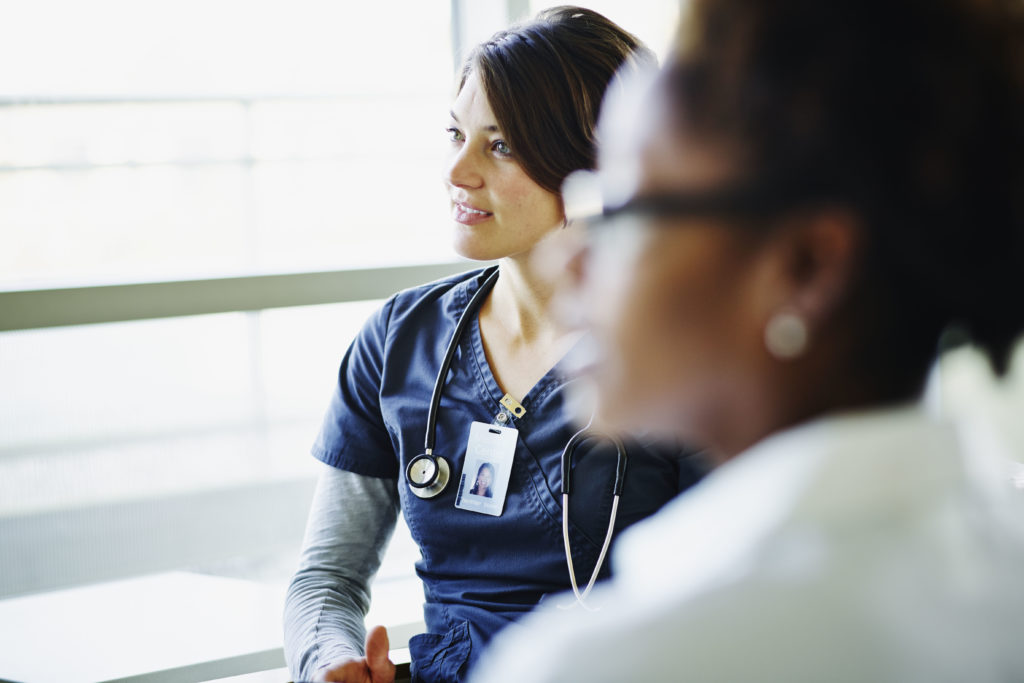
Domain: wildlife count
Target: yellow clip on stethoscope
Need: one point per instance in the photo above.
(428, 473)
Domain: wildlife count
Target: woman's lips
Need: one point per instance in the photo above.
(467, 215)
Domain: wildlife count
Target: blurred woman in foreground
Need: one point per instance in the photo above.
(795, 209)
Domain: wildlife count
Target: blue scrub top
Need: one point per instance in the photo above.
(479, 572)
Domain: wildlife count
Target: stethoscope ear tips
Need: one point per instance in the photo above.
(428, 474)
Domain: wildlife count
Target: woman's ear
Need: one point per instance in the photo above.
(824, 249)
(810, 262)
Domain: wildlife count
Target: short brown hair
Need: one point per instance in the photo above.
(545, 80)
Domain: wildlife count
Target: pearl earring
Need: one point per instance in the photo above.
(785, 336)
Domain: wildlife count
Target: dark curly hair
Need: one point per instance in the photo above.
(545, 79)
(909, 114)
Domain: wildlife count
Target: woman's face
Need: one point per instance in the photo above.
(483, 479)
(497, 209)
(672, 302)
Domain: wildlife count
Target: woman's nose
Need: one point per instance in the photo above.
(463, 169)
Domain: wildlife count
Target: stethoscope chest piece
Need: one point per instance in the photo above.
(428, 474)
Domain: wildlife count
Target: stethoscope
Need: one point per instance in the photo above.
(428, 473)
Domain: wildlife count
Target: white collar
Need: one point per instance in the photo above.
(837, 468)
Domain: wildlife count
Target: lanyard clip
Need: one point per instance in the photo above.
(513, 406)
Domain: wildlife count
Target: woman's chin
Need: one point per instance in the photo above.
(467, 249)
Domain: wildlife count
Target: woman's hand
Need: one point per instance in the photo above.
(375, 667)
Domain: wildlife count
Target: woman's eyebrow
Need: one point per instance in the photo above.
(490, 129)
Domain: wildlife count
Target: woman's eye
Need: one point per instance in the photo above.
(502, 148)
(454, 134)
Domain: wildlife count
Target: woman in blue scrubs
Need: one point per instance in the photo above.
(522, 121)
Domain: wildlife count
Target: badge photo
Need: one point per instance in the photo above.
(487, 468)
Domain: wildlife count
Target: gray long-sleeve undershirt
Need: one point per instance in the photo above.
(350, 523)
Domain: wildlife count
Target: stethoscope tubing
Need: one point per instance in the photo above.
(435, 398)
(621, 462)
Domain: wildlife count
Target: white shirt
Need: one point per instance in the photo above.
(863, 547)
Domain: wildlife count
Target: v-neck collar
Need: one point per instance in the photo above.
(487, 384)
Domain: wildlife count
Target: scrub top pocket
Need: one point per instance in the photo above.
(441, 658)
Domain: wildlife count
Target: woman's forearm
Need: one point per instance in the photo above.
(350, 523)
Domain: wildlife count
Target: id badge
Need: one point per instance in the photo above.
(487, 468)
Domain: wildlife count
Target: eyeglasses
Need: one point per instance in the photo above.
(583, 200)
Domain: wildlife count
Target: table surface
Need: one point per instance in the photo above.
(166, 628)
